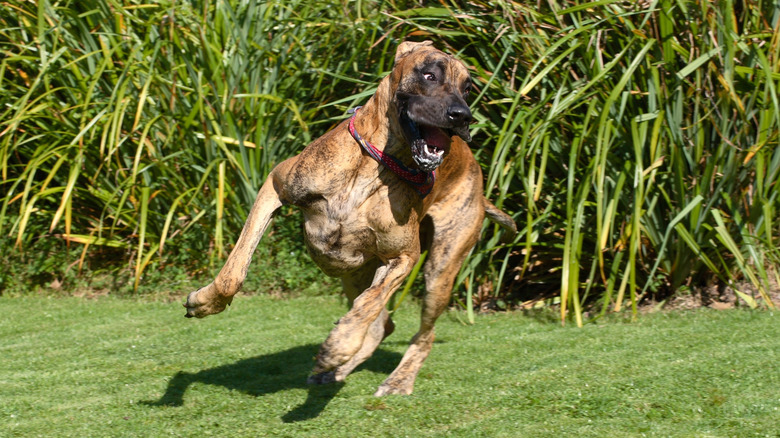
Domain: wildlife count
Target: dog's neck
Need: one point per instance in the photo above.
(377, 122)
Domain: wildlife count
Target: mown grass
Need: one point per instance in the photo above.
(127, 367)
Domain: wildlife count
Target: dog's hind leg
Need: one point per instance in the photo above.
(452, 241)
(219, 294)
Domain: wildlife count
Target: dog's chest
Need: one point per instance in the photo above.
(342, 237)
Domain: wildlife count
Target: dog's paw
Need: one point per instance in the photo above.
(322, 378)
(343, 342)
(205, 301)
(388, 389)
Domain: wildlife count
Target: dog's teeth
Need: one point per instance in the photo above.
(433, 150)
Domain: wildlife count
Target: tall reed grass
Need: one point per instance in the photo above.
(636, 143)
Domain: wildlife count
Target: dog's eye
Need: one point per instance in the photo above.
(429, 76)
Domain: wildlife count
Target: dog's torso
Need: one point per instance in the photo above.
(356, 209)
(350, 205)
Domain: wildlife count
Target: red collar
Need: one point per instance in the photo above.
(422, 182)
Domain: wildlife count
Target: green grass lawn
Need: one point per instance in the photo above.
(125, 367)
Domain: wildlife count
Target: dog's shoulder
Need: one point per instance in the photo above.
(323, 165)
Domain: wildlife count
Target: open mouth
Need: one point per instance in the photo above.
(429, 144)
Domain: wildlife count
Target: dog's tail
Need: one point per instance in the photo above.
(495, 215)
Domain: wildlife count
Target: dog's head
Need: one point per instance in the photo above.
(430, 92)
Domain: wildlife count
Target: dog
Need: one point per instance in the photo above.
(395, 179)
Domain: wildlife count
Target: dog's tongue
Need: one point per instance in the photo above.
(435, 137)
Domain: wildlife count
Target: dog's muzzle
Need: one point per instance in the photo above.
(429, 143)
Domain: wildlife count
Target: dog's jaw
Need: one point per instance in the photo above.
(428, 133)
(429, 144)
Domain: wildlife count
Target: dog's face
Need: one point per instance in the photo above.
(430, 93)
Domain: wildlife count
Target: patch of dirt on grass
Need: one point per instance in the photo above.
(718, 296)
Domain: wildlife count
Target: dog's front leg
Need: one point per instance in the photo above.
(346, 339)
(216, 296)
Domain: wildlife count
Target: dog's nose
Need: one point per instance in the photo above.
(459, 115)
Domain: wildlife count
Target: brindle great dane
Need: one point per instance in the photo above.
(396, 179)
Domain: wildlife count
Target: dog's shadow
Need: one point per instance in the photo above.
(272, 373)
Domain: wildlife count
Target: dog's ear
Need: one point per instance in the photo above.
(407, 47)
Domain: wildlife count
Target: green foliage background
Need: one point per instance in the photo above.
(635, 143)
